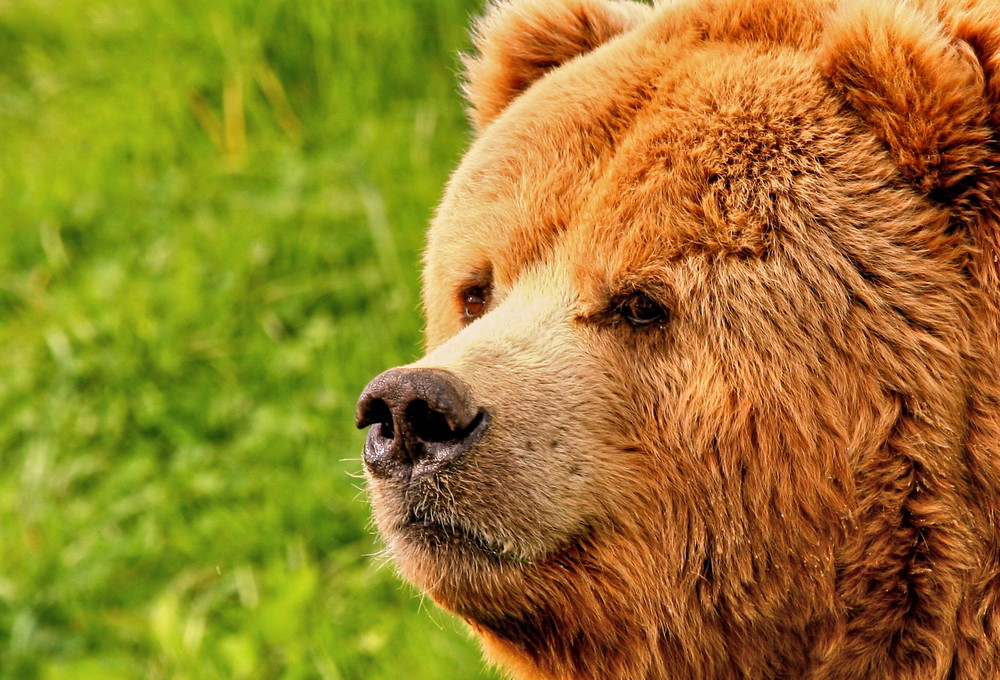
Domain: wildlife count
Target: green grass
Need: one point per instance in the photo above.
(212, 214)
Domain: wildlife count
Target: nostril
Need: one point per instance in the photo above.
(377, 412)
(428, 424)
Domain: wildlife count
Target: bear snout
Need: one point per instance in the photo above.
(422, 419)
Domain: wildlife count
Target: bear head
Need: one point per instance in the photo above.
(711, 388)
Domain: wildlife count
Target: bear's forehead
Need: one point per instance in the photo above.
(644, 150)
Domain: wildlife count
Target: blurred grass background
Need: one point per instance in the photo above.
(212, 214)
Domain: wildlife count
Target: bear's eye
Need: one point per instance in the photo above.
(641, 310)
(474, 302)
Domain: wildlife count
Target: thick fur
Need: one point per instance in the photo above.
(795, 473)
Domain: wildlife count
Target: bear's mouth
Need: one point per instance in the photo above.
(434, 534)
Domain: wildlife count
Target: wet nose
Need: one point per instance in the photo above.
(422, 419)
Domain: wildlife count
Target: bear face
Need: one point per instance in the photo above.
(711, 385)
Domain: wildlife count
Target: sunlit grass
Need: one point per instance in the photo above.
(211, 218)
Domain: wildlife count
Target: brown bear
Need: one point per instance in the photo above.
(712, 387)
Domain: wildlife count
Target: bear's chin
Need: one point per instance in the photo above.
(459, 570)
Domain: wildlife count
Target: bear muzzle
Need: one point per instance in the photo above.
(423, 419)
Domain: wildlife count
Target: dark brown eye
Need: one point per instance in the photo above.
(641, 310)
(474, 302)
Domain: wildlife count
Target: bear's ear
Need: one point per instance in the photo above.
(925, 76)
(923, 92)
(518, 41)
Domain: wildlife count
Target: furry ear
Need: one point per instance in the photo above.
(926, 78)
(921, 91)
(518, 41)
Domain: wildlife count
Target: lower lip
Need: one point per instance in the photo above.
(437, 535)
(431, 528)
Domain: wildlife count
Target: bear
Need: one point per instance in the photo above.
(712, 379)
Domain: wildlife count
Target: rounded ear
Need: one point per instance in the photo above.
(921, 91)
(926, 79)
(518, 41)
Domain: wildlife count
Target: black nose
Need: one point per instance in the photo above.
(422, 419)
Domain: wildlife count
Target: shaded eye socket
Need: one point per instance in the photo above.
(641, 310)
(474, 301)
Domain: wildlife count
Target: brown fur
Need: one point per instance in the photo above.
(796, 474)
